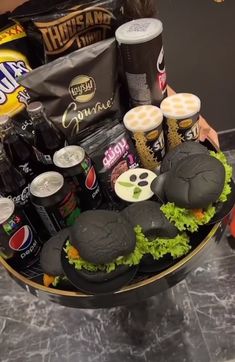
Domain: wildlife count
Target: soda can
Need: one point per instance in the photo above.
(181, 115)
(18, 240)
(77, 167)
(54, 201)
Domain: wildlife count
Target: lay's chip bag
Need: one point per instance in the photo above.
(14, 55)
(14, 62)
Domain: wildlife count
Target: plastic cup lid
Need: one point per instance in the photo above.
(69, 156)
(46, 184)
(180, 106)
(143, 118)
(139, 31)
(7, 208)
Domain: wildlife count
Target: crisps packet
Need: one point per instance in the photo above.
(61, 27)
(13, 63)
(79, 89)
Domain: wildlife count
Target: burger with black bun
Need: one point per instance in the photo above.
(181, 151)
(101, 255)
(157, 239)
(194, 189)
(50, 260)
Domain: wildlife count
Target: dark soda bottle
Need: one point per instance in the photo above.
(14, 186)
(48, 139)
(19, 151)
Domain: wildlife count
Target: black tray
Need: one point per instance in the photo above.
(142, 287)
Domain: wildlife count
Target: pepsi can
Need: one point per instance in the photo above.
(76, 166)
(54, 201)
(19, 243)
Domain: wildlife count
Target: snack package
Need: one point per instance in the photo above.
(113, 153)
(63, 27)
(78, 89)
(15, 61)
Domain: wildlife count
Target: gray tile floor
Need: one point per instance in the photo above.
(192, 322)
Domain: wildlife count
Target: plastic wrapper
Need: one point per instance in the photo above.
(113, 153)
(59, 27)
(15, 61)
(78, 89)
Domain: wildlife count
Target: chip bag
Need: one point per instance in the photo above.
(79, 89)
(13, 63)
(64, 26)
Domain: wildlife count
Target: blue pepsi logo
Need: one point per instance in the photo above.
(22, 239)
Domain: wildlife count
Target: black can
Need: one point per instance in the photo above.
(143, 60)
(18, 240)
(77, 168)
(54, 201)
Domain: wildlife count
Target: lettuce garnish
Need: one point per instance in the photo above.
(185, 219)
(158, 247)
(228, 175)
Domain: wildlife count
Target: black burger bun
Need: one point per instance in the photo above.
(102, 276)
(148, 265)
(195, 181)
(181, 151)
(101, 236)
(153, 222)
(98, 282)
(50, 257)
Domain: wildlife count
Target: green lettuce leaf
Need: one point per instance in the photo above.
(158, 247)
(132, 259)
(58, 280)
(228, 174)
(184, 219)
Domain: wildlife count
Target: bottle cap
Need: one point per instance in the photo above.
(35, 108)
(5, 124)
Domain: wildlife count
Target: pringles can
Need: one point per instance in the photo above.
(143, 60)
(77, 168)
(54, 201)
(181, 112)
(19, 243)
(145, 126)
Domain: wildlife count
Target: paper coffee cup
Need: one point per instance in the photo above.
(145, 125)
(181, 112)
(143, 60)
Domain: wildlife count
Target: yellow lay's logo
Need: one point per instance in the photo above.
(13, 97)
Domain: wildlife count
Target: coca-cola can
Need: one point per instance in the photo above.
(19, 242)
(55, 201)
(77, 168)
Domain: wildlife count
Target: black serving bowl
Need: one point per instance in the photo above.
(145, 284)
(140, 288)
